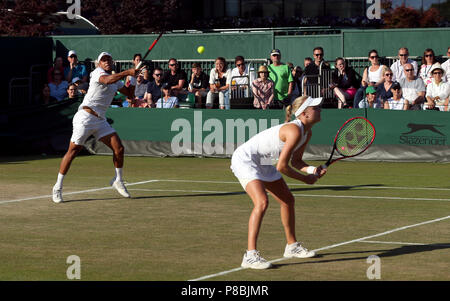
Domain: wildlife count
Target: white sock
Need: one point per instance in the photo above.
(292, 245)
(59, 180)
(251, 252)
(119, 174)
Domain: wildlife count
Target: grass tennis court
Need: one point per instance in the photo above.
(188, 219)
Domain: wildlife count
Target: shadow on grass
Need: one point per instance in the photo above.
(403, 250)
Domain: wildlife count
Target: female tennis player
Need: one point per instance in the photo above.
(252, 164)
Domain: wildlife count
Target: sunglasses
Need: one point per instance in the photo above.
(409, 70)
(437, 73)
(373, 57)
(388, 74)
(239, 65)
(403, 54)
(157, 74)
(429, 55)
(318, 54)
(172, 65)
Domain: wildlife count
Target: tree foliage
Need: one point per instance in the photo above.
(408, 17)
(28, 17)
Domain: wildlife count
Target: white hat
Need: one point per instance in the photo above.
(309, 102)
(437, 66)
(71, 52)
(75, 79)
(102, 55)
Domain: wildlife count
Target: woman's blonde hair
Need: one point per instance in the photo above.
(293, 107)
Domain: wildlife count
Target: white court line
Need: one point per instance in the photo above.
(331, 246)
(73, 192)
(392, 242)
(369, 197)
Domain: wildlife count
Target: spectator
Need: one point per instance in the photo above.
(446, 67)
(313, 70)
(372, 76)
(344, 83)
(58, 87)
(168, 101)
(371, 100)
(72, 91)
(176, 78)
(280, 74)
(78, 83)
(384, 91)
(428, 62)
(58, 65)
(297, 74)
(241, 69)
(397, 67)
(307, 61)
(219, 82)
(154, 88)
(263, 89)
(413, 88)
(141, 86)
(199, 84)
(136, 60)
(44, 97)
(438, 91)
(75, 70)
(396, 101)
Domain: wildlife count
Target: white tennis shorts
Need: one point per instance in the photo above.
(86, 124)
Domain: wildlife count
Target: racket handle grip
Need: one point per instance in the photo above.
(139, 65)
(324, 166)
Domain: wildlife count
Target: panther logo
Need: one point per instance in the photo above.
(417, 127)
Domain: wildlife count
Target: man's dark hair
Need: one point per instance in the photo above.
(136, 55)
(239, 58)
(157, 68)
(318, 48)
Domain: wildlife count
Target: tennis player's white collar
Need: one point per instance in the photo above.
(309, 102)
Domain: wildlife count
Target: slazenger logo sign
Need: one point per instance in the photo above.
(423, 134)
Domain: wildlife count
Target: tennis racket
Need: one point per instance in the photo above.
(148, 51)
(352, 139)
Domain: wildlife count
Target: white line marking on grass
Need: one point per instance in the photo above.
(369, 197)
(392, 242)
(74, 192)
(331, 246)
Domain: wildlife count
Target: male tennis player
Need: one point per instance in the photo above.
(90, 120)
(251, 163)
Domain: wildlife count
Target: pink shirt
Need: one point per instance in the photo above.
(262, 91)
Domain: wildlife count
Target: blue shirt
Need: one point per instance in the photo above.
(170, 103)
(79, 71)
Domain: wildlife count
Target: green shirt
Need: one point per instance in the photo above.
(281, 76)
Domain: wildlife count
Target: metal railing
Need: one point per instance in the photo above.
(20, 91)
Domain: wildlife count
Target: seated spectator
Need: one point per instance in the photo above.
(58, 87)
(297, 75)
(446, 67)
(176, 78)
(219, 82)
(428, 62)
(384, 90)
(75, 69)
(413, 88)
(372, 76)
(78, 83)
(262, 89)
(57, 64)
(396, 102)
(154, 88)
(438, 91)
(283, 81)
(398, 66)
(307, 61)
(72, 91)
(240, 74)
(168, 101)
(371, 100)
(199, 84)
(344, 83)
(141, 86)
(44, 97)
(313, 69)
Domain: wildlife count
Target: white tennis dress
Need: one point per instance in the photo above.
(254, 159)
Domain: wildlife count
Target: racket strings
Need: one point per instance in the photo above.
(354, 137)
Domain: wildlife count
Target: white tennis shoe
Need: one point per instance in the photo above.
(120, 187)
(255, 261)
(57, 194)
(298, 251)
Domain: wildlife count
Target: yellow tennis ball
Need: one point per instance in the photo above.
(200, 49)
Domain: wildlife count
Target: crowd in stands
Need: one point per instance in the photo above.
(404, 85)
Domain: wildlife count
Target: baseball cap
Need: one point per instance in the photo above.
(309, 102)
(371, 89)
(102, 55)
(395, 85)
(75, 79)
(71, 52)
(275, 51)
